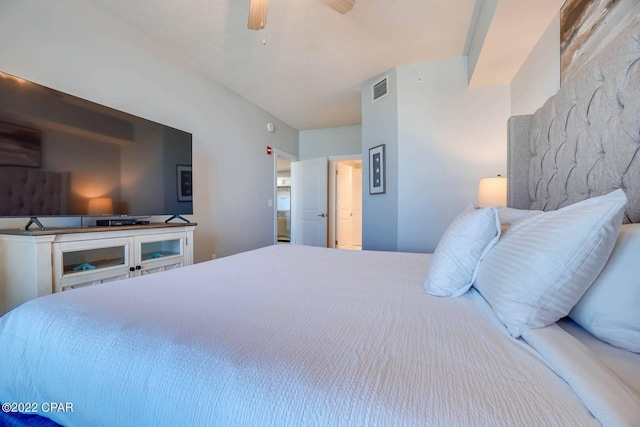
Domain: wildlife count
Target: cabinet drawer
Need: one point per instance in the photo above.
(156, 268)
(95, 278)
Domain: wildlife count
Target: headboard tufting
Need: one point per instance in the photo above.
(33, 190)
(585, 140)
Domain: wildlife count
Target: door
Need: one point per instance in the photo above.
(89, 262)
(159, 252)
(356, 206)
(309, 202)
(345, 202)
(344, 199)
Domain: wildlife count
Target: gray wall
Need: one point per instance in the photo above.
(338, 141)
(76, 48)
(380, 126)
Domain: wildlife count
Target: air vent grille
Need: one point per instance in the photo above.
(380, 89)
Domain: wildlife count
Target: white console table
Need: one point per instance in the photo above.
(36, 263)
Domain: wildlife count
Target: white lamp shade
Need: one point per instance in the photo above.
(492, 192)
(258, 14)
(100, 206)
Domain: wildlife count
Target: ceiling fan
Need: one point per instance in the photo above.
(258, 11)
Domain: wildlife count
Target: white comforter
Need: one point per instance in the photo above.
(284, 335)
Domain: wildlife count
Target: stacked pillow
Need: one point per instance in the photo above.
(543, 265)
(538, 265)
(610, 309)
(464, 243)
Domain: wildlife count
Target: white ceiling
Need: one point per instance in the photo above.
(310, 71)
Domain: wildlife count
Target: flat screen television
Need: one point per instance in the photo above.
(61, 155)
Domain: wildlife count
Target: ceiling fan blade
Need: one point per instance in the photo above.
(342, 6)
(258, 14)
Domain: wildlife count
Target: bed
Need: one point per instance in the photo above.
(380, 338)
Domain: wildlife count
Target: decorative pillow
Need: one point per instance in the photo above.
(610, 309)
(462, 246)
(543, 265)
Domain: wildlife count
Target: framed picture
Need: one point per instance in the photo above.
(584, 25)
(185, 184)
(376, 170)
(19, 146)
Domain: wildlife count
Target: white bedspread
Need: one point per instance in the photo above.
(284, 335)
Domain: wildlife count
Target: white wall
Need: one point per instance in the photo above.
(441, 137)
(76, 48)
(330, 142)
(449, 136)
(539, 76)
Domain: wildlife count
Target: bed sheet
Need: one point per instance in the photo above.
(283, 335)
(625, 364)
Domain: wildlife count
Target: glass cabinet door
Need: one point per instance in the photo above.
(160, 249)
(85, 260)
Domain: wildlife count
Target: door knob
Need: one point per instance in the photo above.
(322, 215)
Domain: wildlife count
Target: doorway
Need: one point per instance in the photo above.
(282, 205)
(345, 202)
(326, 202)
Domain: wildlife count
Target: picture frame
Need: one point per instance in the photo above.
(584, 26)
(377, 170)
(185, 183)
(19, 146)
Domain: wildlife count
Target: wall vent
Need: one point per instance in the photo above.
(379, 89)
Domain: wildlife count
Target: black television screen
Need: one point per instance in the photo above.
(65, 156)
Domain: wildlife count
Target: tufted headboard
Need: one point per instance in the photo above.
(33, 190)
(585, 140)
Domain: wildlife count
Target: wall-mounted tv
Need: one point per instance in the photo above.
(65, 156)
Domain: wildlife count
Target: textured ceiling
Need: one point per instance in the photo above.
(310, 70)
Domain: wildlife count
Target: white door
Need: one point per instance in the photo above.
(344, 199)
(309, 202)
(356, 206)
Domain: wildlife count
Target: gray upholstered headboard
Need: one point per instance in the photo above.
(33, 190)
(585, 140)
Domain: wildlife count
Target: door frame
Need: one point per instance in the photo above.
(274, 201)
(331, 209)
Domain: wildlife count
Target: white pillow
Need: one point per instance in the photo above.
(462, 246)
(610, 309)
(510, 216)
(543, 265)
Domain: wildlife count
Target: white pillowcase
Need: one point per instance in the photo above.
(464, 243)
(511, 216)
(610, 309)
(543, 265)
